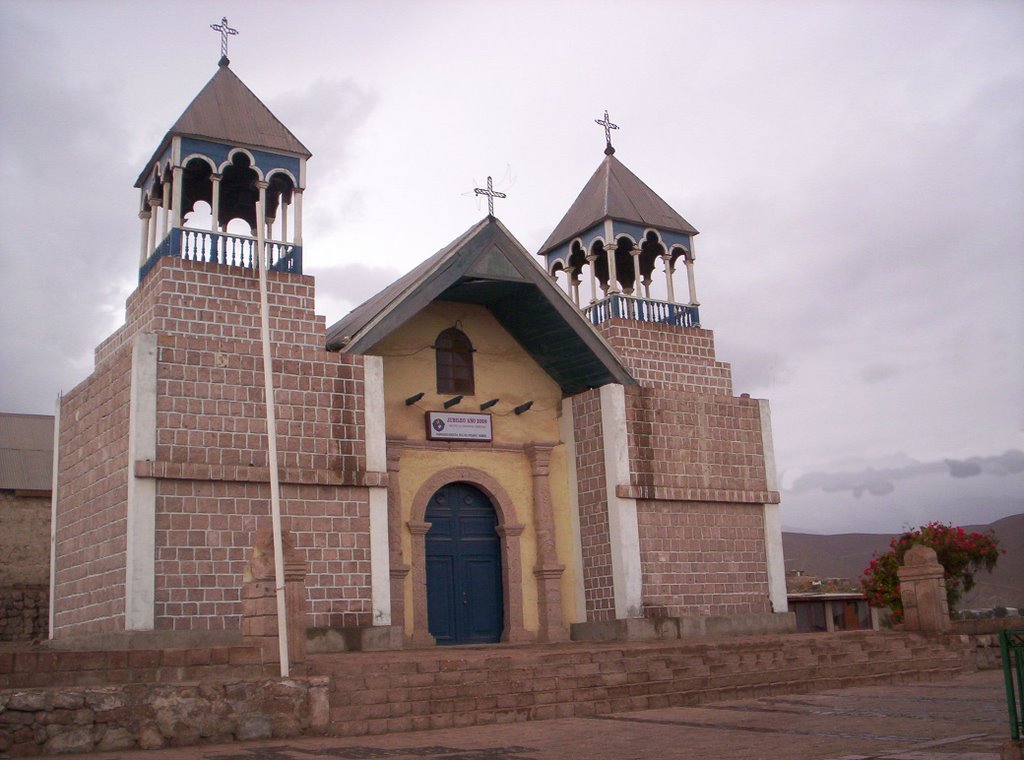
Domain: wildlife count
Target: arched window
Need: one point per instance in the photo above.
(454, 362)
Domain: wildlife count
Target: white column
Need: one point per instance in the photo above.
(166, 204)
(215, 203)
(297, 192)
(688, 259)
(573, 285)
(623, 527)
(567, 434)
(139, 576)
(176, 201)
(283, 214)
(377, 461)
(591, 259)
(772, 517)
(144, 242)
(668, 277)
(154, 218)
(53, 512)
(635, 253)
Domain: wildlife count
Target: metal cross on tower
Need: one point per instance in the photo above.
(608, 127)
(225, 30)
(491, 194)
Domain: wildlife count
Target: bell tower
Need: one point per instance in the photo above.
(227, 176)
(623, 235)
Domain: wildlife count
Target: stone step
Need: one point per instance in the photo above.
(442, 688)
(42, 668)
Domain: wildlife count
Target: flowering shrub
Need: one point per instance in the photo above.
(960, 553)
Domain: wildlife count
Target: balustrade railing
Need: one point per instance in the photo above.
(222, 248)
(642, 310)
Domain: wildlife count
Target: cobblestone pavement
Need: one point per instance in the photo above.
(962, 719)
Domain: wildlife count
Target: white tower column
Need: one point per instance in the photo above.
(635, 253)
(215, 202)
(144, 242)
(298, 215)
(591, 260)
(691, 282)
(668, 277)
(166, 205)
(154, 219)
(176, 210)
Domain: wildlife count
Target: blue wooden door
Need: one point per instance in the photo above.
(463, 557)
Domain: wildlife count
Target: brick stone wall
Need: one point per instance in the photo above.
(697, 471)
(660, 356)
(593, 505)
(24, 538)
(211, 466)
(695, 446)
(92, 488)
(702, 558)
(24, 612)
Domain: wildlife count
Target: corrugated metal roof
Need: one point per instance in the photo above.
(227, 111)
(615, 192)
(26, 451)
(487, 266)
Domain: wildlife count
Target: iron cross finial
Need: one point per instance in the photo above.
(491, 194)
(608, 127)
(224, 30)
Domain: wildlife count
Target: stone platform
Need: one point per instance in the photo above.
(60, 701)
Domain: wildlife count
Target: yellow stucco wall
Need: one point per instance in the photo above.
(503, 370)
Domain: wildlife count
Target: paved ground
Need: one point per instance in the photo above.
(964, 719)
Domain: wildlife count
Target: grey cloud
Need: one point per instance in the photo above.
(883, 481)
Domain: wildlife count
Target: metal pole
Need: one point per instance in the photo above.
(263, 262)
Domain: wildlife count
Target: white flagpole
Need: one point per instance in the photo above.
(263, 263)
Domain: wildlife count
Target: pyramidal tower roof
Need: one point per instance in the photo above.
(227, 111)
(615, 192)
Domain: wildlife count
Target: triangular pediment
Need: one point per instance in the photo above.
(489, 267)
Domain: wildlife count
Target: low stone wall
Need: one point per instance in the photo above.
(24, 612)
(979, 640)
(149, 716)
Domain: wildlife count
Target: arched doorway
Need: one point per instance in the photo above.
(463, 564)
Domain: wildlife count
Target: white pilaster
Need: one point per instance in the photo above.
(567, 434)
(377, 461)
(623, 528)
(772, 517)
(53, 512)
(139, 578)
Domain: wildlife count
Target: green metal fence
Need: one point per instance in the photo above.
(1011, 646)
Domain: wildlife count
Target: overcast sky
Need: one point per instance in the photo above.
(856, 170)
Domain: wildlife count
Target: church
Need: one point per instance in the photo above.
(500, 446)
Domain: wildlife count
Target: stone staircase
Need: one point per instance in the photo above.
(378, 692)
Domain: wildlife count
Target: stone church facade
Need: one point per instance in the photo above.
(475, 454)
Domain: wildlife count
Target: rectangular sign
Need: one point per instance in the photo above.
(458, 426)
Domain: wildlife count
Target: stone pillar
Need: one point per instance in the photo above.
(297, 195)
(420, 636)
(613, 277)
(399, 570)
(177, 212)
(923, 590)
(547, 570)
(259, 598)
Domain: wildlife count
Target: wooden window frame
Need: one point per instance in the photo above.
(454, 360)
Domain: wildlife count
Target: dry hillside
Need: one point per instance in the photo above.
(847, 554)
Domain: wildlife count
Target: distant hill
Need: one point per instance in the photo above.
(847, 554)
